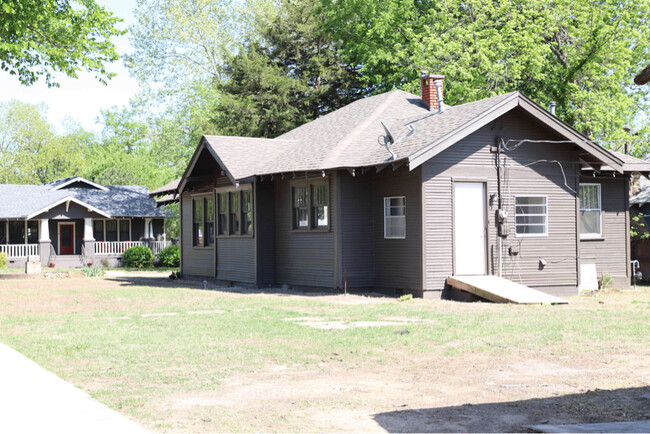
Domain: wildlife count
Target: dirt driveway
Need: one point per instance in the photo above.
(469, 394)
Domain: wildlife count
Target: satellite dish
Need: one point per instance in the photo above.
(391, 139)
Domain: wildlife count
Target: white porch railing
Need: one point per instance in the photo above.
(19, 250)
(114, 247)
(118, 247)
(158, 246)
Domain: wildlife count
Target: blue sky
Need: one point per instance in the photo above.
(82, 98)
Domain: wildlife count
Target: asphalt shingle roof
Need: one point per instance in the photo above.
(20, 201)
(349, 137)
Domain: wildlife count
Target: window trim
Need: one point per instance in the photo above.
(599, 235)
(546, 229)
(202, 198)
(309, 184)
(387, 200)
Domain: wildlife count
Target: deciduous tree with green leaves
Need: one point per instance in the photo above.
(581, 54)
(41, 37)
(31, 152)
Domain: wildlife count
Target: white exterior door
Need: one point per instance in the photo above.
(469, 228)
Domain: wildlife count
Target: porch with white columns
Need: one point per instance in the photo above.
(89, 241)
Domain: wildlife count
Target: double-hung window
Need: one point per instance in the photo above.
(590, 211)
(395, 217)
(247, 212)
(98, 230)
(223, 214)
(531, 216)
(203, 222)
(235, 213)
(301, 207)
(197, 223)
(209, 222)
(311, 206)
(320, 205)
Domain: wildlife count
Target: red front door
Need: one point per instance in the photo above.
(66, 239)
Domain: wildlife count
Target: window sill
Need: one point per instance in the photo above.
(202, 248)
(219, 237)
(311, 231)
(599, 238)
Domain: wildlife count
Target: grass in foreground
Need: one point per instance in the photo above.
(132, 345)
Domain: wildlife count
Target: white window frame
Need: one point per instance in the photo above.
(600, 210)
(386, 217)
(546, 232)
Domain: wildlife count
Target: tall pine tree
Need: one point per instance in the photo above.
(291, 75)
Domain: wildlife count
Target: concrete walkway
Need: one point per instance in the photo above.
(34, 400)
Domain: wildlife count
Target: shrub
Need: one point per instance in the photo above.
(3, 260)
(93, 271)
(137, 257)
(170, 257)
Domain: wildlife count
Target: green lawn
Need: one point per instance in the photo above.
(92, 332)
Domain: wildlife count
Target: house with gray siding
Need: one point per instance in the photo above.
(73, 222)
(397, 192)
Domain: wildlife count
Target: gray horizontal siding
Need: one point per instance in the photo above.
(608, 253)
(196, 261)
(398, 262)
(472, 159)
(357, 230)
(301, 258)
(236, 259)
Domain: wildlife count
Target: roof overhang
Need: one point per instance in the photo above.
(517, 99)
(67, 200)
(79, 179)
(169, 188)
(195, 158)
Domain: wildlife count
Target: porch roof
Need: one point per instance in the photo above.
(28, 201)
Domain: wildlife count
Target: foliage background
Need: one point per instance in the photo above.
(262, 67)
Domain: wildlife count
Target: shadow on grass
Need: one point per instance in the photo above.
(158, 281)
(597, 406)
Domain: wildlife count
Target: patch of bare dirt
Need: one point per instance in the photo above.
(476, 393)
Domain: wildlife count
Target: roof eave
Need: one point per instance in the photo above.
(516, 100)
(195, 157)
(68, 199)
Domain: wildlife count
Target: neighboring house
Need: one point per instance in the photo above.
(73, 221)
(640, 213)
(498, 186)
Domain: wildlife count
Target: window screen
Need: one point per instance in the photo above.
(32, 232)
(197, 227)
(111, 230)
(125, 233)
(320, 202)
(223, 214)
(247, 212)
(3, 233)
(235, 213)
(395, 217)
(301, 207)
(531, 216)
(98, 230)
(590, 210)
(209, 222)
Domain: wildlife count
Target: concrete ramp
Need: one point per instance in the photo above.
(500, 290)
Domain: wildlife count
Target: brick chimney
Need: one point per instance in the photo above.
(429, 93)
